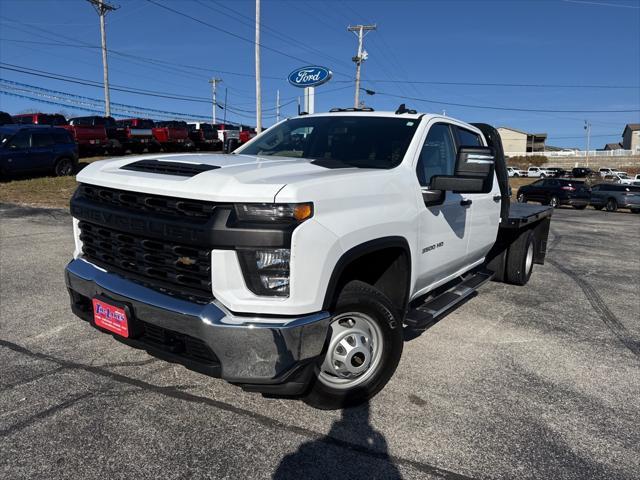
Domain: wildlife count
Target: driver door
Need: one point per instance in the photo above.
(444, 223)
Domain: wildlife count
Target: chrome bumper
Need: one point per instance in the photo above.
(251, 350)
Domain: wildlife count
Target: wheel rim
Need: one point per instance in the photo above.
(611, 205)
(521, 198)
(65, 168)
(528, 262)
(354, 352)
(553, 202)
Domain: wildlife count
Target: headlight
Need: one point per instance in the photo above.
(274, 212)
(266, 271)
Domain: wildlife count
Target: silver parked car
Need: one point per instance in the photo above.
(614, 196)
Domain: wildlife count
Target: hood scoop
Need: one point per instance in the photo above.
(179, 169)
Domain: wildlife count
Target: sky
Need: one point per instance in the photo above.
(486, 61)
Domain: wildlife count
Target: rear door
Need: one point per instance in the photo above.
(41, 154)
(444, 223)
(484, 208)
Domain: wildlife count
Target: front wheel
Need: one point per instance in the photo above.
(522, 198)
(554, 202)
(612, 205)
(363, 351)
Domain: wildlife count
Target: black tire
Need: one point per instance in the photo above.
(542, 175)
(516, 175)
(360, 297)
(64, 167)
(579, 207)
(612, 205)
(522, 198)
(520, 259)
(598, 207)
(554, 201)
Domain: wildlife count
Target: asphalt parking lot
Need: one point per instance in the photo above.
(538, 382)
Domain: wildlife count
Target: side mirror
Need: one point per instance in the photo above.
(475, 161)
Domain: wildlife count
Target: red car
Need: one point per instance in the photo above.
(172, 135)
(246, 133)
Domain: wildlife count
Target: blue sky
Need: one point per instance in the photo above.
(545, 42)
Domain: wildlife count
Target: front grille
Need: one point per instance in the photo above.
(194, 210)
(180, 169)
(171, 268)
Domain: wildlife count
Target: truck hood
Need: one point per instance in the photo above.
(245, 178)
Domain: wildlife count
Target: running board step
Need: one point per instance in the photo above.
(432, 309)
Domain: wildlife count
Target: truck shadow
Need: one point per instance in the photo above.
(362, 454)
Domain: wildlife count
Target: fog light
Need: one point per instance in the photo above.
(266, 271)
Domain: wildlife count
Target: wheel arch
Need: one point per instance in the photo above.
(393, 257)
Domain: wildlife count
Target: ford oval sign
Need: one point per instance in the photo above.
(309, 76)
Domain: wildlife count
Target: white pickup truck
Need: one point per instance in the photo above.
(540, 172)
(291, 266)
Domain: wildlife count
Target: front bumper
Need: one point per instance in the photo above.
(263, 354)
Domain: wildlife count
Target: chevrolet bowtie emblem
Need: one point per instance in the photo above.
(186, 261)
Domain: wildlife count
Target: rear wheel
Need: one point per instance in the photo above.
(363, 351)
(612, 205)
(64, 167)
(520, 259)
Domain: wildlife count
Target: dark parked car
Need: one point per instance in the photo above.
(31, 148)
(581, 172)
(5, 119)
(556, 192)
(615, 196)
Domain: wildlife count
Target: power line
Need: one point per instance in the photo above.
(484, 84)
(509, 109)
(235, 35)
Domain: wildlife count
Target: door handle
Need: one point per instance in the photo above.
(466, 203)
(497, 198)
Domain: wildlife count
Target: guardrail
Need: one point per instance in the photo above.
(576, 153)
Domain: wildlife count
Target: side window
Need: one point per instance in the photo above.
(468, 139)
(552, 183)
(41, 139)
(438, 155)
(539, 183)
(61, 136)
(21, 139)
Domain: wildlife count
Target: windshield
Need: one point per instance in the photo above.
(357, 141)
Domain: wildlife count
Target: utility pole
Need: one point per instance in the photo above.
(214, 84)
(258, 89)
(587, 128)
(103, 8)
(277, 106)
(359, 31)
(225, 105)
